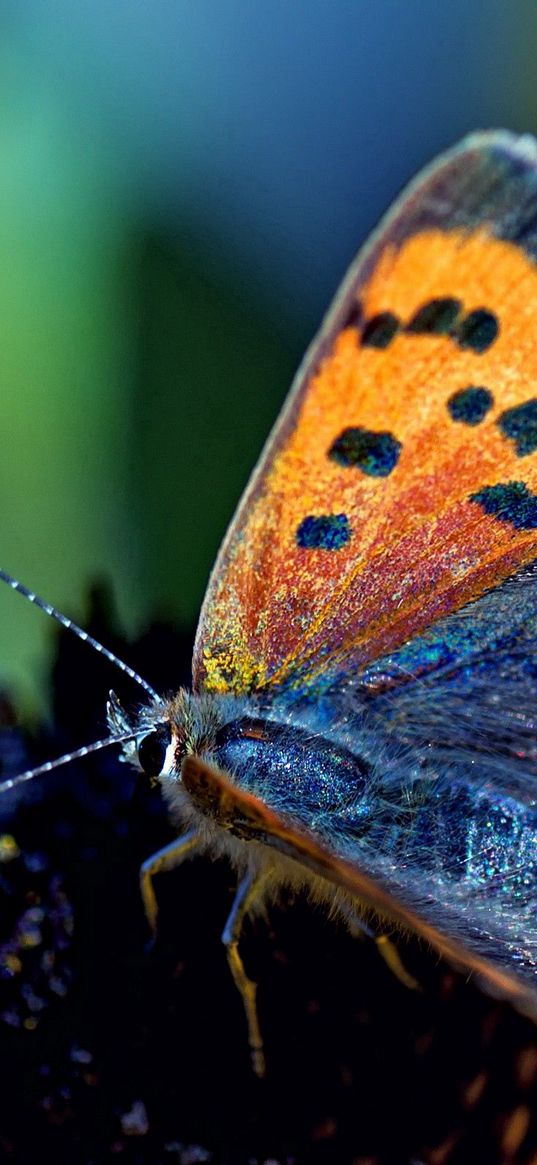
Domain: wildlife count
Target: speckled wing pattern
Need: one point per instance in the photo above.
(400, 483)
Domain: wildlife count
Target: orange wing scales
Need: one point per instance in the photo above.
(402, 481)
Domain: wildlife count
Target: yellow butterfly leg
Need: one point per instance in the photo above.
(392, 958)
(248, 890)
(165, 859)
(387, 950)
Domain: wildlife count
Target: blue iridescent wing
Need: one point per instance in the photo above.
(449, 725)
(470, 680)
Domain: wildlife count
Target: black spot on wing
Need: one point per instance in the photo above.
(511, 502)
(437, 317)
(520, 425)
(380, 330)
(375, 454)
(323, 532)
(470, 405)
(478, 330)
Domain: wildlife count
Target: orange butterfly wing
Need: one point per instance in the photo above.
(401, 479)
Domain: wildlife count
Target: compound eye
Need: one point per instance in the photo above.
(152, 750)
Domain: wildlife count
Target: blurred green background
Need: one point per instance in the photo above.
(181, 188)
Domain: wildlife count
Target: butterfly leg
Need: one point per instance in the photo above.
(387, 950)
(248, 890)
(165, 859)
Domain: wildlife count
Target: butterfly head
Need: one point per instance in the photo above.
(189, 725)
(166, 732)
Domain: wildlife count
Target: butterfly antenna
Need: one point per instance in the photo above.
(83, 635)
(29, 774)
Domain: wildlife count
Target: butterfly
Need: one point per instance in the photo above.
(363, 714)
